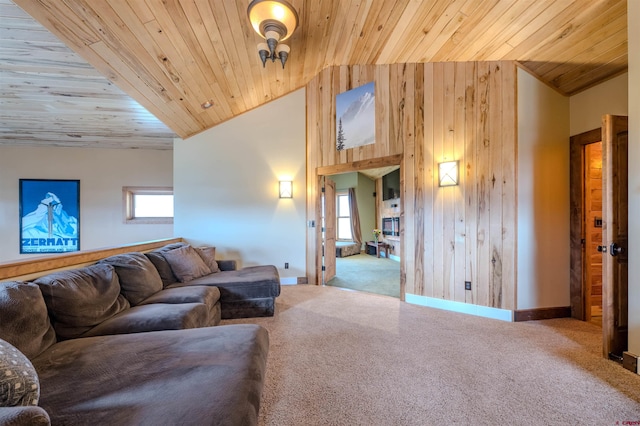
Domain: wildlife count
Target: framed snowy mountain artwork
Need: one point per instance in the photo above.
(49, 216)
(356, 117)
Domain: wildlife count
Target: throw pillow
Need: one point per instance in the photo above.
(186, 263)
(161, 264)
(24, 320)
(208, 254)
(19, 384)
(80, 299)
(138, 277)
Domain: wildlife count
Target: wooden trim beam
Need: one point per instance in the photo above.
(374, 163)
(42, 264)
(541, 313)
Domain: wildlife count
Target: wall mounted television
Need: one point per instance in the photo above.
(391, 185)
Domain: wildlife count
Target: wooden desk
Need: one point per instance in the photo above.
(380, 245)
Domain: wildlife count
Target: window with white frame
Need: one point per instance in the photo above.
(343, 216)
(148, 204)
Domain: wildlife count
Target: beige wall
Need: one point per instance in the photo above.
(543, 195)
(226, 186)
(633, 17)
(102, 174)
(588, 107)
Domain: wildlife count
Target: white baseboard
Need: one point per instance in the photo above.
(465, 308)
(288, 280)
(394, 257)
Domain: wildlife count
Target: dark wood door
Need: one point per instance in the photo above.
(615, 235)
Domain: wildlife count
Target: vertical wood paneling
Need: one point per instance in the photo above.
(470, 179)
(495, 184)
(328, 128)
(459, 137)
(437, 237)
(428, 181)
(412, 268)
(430, 113)
(416, 174)
(449, 194)
(482, 183)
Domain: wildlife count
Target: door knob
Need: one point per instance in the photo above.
(615, 249)
(602, 249)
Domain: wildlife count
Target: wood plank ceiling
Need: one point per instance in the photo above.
(173, 55)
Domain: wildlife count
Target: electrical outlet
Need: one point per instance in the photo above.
(286, 265)
(467, 285)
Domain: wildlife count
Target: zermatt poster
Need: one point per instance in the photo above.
(49, 216)
(355, 117)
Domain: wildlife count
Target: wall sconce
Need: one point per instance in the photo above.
(286, 189)
(448, 173)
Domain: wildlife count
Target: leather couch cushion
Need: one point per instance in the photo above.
(24, 321)
(80, 299)
(138, 277)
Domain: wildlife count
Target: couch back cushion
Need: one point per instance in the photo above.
(138, 277)
(80, 299)
(161, 264)
(24, 321)
(186, 263)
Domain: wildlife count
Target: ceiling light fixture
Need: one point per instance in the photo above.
(275, 21)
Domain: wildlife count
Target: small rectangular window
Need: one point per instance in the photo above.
(148, 204)
(343, 216)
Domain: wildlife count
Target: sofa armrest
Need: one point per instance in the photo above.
(24, 416)
(227, 265)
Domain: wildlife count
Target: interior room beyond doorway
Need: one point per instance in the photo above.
(357, 266)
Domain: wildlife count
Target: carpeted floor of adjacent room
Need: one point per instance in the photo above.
(364, 272)
(350, 358)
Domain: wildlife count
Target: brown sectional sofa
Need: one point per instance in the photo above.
(244, 293)
(129, 341)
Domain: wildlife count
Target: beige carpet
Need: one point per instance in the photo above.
(346, 358)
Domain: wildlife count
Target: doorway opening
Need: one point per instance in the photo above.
(366, 260)
(599, 234)
(358, 267)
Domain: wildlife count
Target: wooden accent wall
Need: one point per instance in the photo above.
(428, 113)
